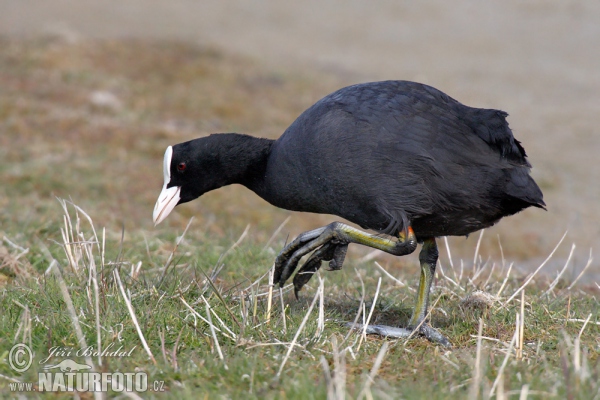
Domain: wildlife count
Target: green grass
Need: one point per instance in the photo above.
(56, 141)
(559, 359)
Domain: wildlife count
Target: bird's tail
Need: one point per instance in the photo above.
(523, 189)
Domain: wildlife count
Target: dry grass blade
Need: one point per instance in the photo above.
(255, 345)
(475, 384)
(87, 249)
(328, 378)
(197, 315)
(71, 309)
(8, 378)
(94, 276)
(321, 318)
(484, 285)
(536, 271)
(23, 251)
(287, 355)
(67, 246)
(132, 395)
(283, 321)
(214, 335)
(441, 269)
(501, 252)
(590, 259)
(499, 377)
(580, 362)
(133, 317)
(170, 259)
(274, 235)
(478, 272)
(562, 271)
(582, 320)
(448, 251)
(520, 328)
(371, 377)
(504, 281)
(14, 245)
(584, 325)
(366, 323)
(74, 320)
(524, 392)
(256, 282)
(339, 370)
(399, 282)
(103, 248)
(68, 239)
(477, 250)
(79, 209)
(233, 335)
(369, 256)
(270, 296)
(25, 325)
(161, 335)
(221, 299)
(236, 244)
(360, 308)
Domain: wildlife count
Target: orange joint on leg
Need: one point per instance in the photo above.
(402, 236)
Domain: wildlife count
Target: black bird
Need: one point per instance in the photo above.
(400, 158)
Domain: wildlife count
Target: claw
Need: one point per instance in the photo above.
(291, 263)
(327, 252)
(306, 272)
(434, 336)
(284, 261)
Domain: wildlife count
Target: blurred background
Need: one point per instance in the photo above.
(92, 92)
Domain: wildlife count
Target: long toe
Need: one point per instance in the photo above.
(382, 330)
(432, 334)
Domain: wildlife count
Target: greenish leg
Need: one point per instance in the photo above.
(428, 259)
(329, 243)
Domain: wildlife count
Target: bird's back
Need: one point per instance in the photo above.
(386, 154)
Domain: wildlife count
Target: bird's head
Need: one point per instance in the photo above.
(190, 169)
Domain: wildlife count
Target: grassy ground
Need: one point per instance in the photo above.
(89, 121)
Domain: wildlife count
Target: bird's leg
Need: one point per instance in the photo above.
(428, 260)
(330, 243)
(335, 238)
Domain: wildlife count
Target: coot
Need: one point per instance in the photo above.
(399, 158)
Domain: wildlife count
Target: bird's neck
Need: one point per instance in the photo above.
(247, 157)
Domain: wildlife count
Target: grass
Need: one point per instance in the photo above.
(200, 317)
(89, 121)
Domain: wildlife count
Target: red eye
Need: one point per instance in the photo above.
(181, 167)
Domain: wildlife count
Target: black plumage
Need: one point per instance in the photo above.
(384, 155)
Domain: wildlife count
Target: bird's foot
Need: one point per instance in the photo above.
(330, 243)
(331, 251)
(432, 334)
(326, 246)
